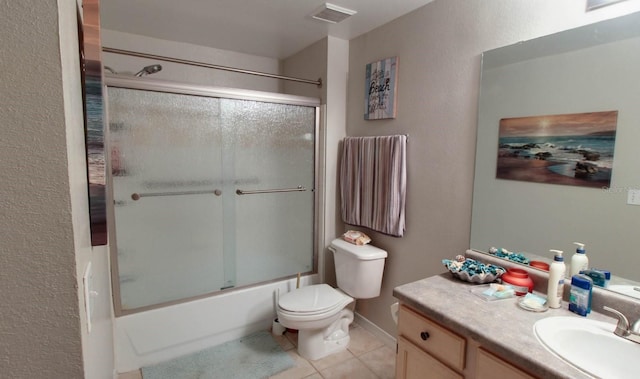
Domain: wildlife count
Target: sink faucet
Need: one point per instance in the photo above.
(635, 328)
(622, 328)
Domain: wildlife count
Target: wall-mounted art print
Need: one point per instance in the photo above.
(380, 89)
(94, 120)
(570, 149)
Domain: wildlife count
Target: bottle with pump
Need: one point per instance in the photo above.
(556, 280)
(579, 260)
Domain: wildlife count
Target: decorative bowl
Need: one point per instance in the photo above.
(540, 265)
(519, 279)
(470, 270)
(509, 255)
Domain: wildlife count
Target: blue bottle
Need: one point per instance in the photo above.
(580, 294)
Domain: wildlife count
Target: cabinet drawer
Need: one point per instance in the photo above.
(438, 341)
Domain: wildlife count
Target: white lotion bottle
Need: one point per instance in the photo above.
(579, 260)
(555, 285)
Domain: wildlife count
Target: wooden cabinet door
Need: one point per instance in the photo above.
(414, 363)
(489, 366)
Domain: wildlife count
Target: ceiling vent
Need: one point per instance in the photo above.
(332, 13)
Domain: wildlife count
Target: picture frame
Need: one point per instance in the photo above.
(381, 78)
(91, 64)
(574, 149)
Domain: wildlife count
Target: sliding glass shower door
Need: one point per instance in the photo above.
(209, 193)
(272, 150)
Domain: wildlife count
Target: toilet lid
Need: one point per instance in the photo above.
(315, 298)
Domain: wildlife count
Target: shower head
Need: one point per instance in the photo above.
(148, 70)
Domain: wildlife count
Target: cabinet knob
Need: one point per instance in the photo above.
(424, 335)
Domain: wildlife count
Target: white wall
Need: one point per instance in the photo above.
(185, 73)
(439, 47)
(336, 126)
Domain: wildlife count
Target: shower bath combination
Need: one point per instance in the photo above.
(214, 190)
(147, 70)
(199, 170)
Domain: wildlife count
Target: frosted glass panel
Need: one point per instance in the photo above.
(169, 246)
(177, 162)
(274, 143)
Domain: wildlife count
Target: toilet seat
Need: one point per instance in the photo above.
(314, 300)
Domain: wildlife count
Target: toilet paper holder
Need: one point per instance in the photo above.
(277, 329)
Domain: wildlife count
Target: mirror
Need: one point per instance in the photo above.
(594, 68)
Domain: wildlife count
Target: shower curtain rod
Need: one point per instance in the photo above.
(213, 66)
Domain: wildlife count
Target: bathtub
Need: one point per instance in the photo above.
(158, 335)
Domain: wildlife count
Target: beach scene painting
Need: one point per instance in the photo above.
(570, 149)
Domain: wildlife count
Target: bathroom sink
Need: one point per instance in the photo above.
(633, 291)
(589, 345)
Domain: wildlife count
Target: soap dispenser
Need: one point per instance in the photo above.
(579, 260)
(555, 285)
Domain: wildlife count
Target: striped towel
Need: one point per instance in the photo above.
(373, 183)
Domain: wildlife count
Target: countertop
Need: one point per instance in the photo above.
(500, 325)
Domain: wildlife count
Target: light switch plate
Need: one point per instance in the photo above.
(87, 284)
(633, 197)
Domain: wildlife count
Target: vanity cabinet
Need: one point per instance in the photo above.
(428, 350)
(426, 347)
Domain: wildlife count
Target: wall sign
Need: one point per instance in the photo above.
(380, 89)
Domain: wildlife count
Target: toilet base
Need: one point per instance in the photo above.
(316, 344)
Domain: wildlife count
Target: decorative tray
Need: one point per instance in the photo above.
(470, 270)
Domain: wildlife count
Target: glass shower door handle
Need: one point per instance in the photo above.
(137, 196)
(253, 192)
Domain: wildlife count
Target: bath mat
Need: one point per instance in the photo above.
(252, 357)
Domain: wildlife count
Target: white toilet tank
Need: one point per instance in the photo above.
(358, 268)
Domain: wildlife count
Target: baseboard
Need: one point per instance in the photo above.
(385, 337)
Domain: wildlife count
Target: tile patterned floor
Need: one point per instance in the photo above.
(367, 357)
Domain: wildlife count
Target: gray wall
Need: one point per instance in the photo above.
(439, 48)
(40, 323)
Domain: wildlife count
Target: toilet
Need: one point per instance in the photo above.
(319, 312)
